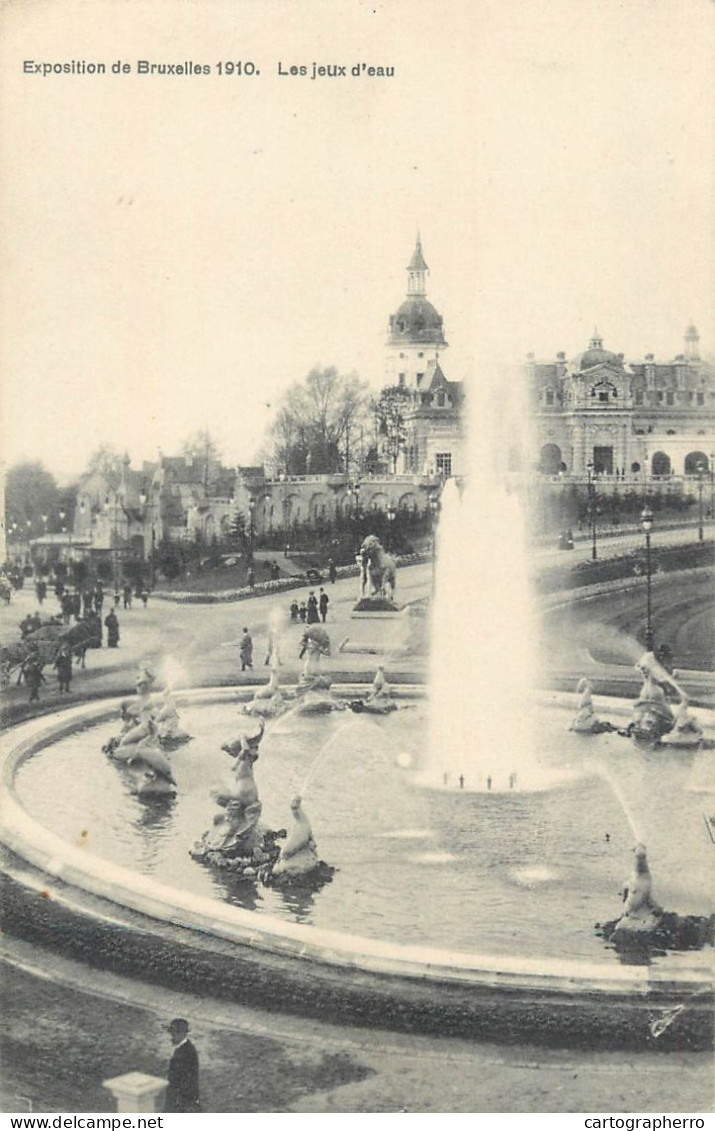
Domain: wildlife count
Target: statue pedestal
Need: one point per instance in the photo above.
(136, 1091)
(380, 607)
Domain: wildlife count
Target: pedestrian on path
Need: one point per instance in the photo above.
(246, 650)
(312, 609)
(182, 1093)
(112, 626)
(63, 663)
(323, 605)
(32, 672)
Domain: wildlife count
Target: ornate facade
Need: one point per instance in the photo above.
(623, 417)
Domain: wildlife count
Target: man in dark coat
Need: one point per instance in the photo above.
(332, 571)
(182, 1093)
(112, 626)
(63, 663)
(246, 650)
(31, 669)
(323, 605)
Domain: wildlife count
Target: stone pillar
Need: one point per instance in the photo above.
(136, 1092)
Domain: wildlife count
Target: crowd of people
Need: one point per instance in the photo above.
(312, 611)
(62, 639)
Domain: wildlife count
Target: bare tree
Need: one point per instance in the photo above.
(317, 422)
(389, 410)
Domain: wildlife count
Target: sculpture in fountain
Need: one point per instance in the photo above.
(687, 731)
(138, 750)
(585, 721)
(640, 911)
(298, 862)
(644, 926)
(135, 716)
(313, 688)
(652, 715)
(168, 725)
(236, 839)
(269, 701)
(149, 768)
(136, 719)
(379, 699)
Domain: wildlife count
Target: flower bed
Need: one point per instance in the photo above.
(266, 588)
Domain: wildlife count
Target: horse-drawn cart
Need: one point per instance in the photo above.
(47, 641)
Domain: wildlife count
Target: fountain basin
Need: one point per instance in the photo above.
(108, 913)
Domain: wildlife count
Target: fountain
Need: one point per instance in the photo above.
(483, 664)
(475, 844)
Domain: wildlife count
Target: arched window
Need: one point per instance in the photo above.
(660, 464)
(693, 459)
(549, 396)
(550, 459)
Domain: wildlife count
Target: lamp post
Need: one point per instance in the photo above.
(115, 548)
(592, 508)
(283, 480)
(434, 505)
(712, 486)
(251, 509)
(144, 500)
(354, 491)
(391, 516)
(647, 524)
(67, 529)
(701, 472)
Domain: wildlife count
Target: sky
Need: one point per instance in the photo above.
(179, 249)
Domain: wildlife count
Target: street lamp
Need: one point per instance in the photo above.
(283, 480)
(251, 508)
(391, 516)
(647, 524)
(354, 490)
(434, 505)
(701, 471)
(68, 530)
(144, 500)
(115, 548)
(592, 509)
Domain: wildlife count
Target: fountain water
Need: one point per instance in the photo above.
(483, 644)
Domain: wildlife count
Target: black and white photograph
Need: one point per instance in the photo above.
(357, 461)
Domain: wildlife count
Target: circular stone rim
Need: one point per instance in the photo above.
(57, 858)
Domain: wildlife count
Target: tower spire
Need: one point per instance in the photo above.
(692, 343)
(417, 270)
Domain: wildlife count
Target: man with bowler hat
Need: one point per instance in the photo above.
(182, 1093)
